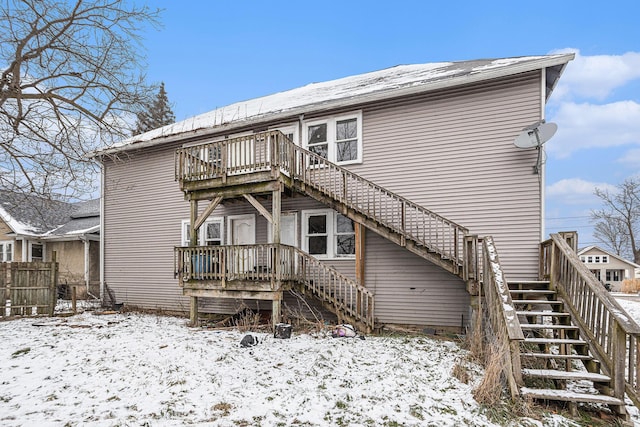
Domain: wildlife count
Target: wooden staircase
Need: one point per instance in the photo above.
(555, 358)
(554, 337)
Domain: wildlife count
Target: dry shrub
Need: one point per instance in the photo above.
(631, 286)
(247, 321)
(460, 372)
(489, 391)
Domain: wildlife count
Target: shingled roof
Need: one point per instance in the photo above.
(31, 215)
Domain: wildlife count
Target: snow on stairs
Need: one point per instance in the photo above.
(556, 362)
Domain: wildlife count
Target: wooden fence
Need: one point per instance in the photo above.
(29, 288)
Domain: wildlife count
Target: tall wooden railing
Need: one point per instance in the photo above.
(274, 151)
(505, 331)
(343, 293)
(613, 337)
(273, 263)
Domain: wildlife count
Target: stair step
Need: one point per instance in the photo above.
(542, 313)
(569, 396)
(557, 356)
(536, 301)
(554, 341)
(532, 291)
(543, 326)
(564, 375)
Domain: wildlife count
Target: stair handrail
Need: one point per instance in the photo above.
(272, 150)
(505, 328)
(343, 293)
(259, 262)
(395, 212)
(613, 337)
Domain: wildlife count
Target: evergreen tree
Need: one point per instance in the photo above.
(155, 115)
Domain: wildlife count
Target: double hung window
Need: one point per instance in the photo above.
(209, 234)
(6, 251)
(327, 234)
(337, 139)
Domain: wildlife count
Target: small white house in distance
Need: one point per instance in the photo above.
(609, 268)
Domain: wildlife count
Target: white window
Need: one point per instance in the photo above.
(211, 233)
(589, 259)
(327, 234)
(605, 259)
(596, 259)
(6, 251)
(583, 258)
(338, 139)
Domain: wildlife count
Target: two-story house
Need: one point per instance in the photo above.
(371, 183)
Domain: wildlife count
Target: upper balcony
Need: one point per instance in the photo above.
(258, 158)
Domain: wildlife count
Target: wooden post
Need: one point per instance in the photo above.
(73, 299)
(193, 241)
(360, 232)
(53, 284)
(619, 358)
(276, 207)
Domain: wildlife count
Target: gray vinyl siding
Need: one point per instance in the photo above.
(408, 290)
(451, 152)
(144, 210)
(454, 155)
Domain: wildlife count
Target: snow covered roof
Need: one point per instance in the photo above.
(31, 215)
(350, 91)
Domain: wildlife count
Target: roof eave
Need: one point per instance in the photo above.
(476, 77)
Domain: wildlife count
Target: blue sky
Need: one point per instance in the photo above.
(214, 53)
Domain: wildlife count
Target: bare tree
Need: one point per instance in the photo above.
(617, 225)
(69, 83)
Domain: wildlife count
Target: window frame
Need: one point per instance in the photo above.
(41, 245)
(332, 142)
(3, 247)
(331, 234)
(184, 239)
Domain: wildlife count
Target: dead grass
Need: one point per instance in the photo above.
(460, 372)
(489, 391)
(631, 286)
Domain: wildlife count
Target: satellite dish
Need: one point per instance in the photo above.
(535, 135)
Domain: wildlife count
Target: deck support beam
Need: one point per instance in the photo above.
(256, 204)
(202, 218)
(193, 241)
(276, 209)
(360, 252)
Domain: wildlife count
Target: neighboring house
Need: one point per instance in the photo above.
(609, 268)
(417, 158)
(33, 228)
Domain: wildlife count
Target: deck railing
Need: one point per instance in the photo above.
(343, 293)
(273, 263)
(504, 330)
(613, 337)
(273, 151)
(240, 262)
(257, 152)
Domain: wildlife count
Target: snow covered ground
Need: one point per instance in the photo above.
(133, 370)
